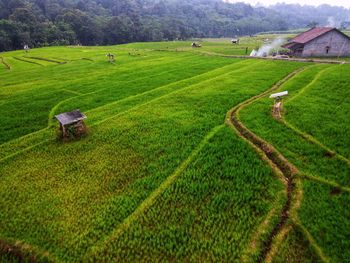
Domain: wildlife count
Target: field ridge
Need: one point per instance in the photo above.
(335, 189)
(146, 203)
(7, 65)
(288, 170)
(306, 135)
(43, 131)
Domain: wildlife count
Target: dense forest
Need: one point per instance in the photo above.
(101, 22)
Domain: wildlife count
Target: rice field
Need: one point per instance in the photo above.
(313, 135)
(160, 176)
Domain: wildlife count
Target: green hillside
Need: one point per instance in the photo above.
(162, 174)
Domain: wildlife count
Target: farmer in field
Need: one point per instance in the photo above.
(110, 57)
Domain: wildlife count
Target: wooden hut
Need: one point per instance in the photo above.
(194, 44)
(72, 124)
(235, 41)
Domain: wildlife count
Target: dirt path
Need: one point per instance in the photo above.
(21, 252)
(7, 65)
(295, 59)
(15, 252)
(276, 160)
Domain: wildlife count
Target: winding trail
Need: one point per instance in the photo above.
(291, 59)
(275, 159)
(291, 177)
(7, 65)
(22, 252)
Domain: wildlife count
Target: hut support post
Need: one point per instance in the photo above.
(63, 130)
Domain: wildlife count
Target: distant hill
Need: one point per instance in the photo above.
(103, 22)
(297, 16)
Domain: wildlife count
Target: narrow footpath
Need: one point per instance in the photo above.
(275, 159)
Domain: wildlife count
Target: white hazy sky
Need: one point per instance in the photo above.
(345, 3)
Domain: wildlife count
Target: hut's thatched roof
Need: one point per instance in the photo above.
(70, 117)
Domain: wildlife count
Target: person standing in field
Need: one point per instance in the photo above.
(110, 57)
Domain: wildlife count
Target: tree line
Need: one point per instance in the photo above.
(103, 22)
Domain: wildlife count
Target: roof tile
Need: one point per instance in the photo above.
(311, 34)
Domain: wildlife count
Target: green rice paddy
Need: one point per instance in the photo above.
(314, 137)
(159, 175)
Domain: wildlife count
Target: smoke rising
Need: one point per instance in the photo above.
(332, 22)
(266, 49)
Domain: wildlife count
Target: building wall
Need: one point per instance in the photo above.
(338, 45)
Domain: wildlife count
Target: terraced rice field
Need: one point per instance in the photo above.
(163, 174)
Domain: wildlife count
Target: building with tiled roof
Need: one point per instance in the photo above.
(320, 42)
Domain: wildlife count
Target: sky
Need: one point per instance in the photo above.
(345, 3)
